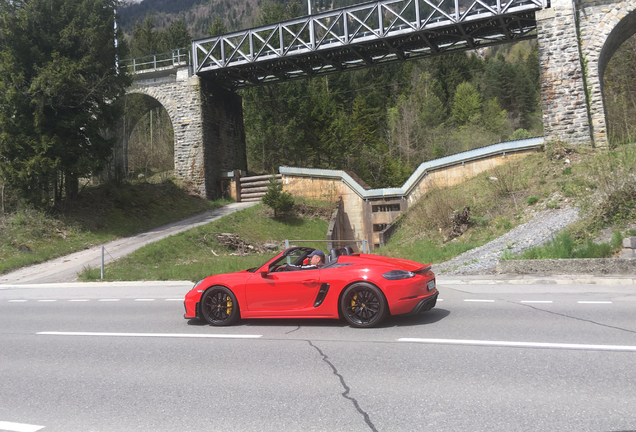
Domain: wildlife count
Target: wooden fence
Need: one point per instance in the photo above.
(254, 188)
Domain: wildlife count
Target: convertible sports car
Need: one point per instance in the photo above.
(361, 288)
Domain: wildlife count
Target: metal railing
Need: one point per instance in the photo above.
(155, 62)
(360, 36)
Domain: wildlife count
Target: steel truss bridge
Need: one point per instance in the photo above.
(361, 36)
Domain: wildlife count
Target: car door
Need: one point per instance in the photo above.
(282, 291)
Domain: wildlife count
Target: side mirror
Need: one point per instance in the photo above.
(264, 274)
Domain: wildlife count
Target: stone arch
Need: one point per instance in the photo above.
(182, 103)
(132, 118)
(603, 28)
(207, 120)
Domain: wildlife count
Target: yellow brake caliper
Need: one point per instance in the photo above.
(229, 305)
(353, 301)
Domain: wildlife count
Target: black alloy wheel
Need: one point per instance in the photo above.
(363, 305)
(219, 306)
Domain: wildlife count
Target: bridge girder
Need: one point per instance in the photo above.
(361, 36)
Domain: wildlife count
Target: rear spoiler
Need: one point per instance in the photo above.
(424, 269)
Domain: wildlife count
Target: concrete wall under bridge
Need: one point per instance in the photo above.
(369, 213)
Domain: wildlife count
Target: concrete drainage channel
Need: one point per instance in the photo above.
(625, 265)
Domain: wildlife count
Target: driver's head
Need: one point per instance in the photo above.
(316, 257)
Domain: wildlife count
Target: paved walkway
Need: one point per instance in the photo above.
(66, 268)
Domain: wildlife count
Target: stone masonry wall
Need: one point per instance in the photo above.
(563, 98)
(223, 132)
(604, 26)
(179, 95)
(208, 127)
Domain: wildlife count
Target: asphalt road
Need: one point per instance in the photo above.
(66, 268)
(520, 355)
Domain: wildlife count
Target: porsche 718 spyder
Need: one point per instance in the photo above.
(361, 288)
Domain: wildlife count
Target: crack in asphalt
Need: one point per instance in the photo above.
(575, 318)
(345, 394)
(294, 330)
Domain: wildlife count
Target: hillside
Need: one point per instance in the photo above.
(199, 14)
(543, 188)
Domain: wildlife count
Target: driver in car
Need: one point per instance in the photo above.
(316, 260)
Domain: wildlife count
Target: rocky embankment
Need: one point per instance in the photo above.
(483, 260)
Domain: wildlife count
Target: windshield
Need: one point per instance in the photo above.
(294, 255)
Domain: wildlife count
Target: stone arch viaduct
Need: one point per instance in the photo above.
(576, 40)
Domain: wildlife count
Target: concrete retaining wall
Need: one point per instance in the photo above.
(593, 266)
(361, 222)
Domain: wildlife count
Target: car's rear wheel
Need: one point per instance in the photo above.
(219, 306)
(363, 305)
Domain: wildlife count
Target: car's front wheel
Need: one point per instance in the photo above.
(363, 305)
(219, 306)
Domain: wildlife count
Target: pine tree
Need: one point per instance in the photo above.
(57, 86)
(281, 202)
(466, 104)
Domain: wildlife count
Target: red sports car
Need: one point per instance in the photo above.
(361, 288)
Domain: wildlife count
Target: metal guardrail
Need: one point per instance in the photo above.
(360, 36)
(420, 172)
(156, 62)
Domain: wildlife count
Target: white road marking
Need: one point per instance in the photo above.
(19, 427)
(594, 302)
(536, 301)
(108, 300)
(18, 301)
(167, 335)
(522, 344)
(479, 301)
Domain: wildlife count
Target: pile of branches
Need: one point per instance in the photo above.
(234, 242)
(460, 222)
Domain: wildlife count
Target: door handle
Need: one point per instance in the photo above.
(310, 281)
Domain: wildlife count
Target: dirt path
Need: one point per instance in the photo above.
(66, 268)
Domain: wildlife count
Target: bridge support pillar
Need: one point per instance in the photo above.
(563, 94)
(209, 136)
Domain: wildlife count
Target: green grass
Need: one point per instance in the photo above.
(196, 253)
(101, 214)
(564, 247)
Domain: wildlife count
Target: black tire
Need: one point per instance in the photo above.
(363, 305)
(219, 306)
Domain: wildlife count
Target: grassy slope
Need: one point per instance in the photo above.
(507, 196)
(101, 214)
(197, 253)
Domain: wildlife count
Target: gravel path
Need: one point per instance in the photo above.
(483, 259)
